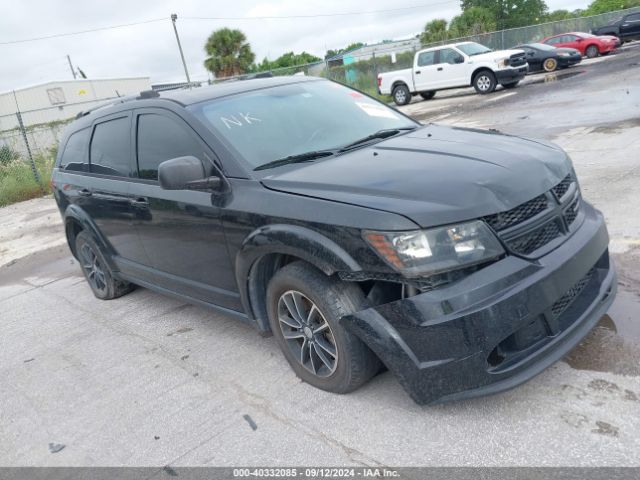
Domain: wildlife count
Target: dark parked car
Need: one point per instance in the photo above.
(465, 261)
(545, 57)
(625, 28)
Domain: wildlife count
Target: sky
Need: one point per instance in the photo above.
(150, 49)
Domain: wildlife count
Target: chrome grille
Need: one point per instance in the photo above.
(531, 226)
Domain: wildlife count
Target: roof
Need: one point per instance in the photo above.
(201, 94)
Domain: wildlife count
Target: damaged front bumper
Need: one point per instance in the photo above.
(498, 327)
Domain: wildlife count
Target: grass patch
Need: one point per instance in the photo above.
(17, 182)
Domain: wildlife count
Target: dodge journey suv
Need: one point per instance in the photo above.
(464, 261)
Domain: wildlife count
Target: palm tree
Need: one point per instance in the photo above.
(228, 52)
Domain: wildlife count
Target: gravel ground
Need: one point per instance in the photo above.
(148, 380)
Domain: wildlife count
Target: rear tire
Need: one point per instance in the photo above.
(591, 51)
(96, 269)
(484, 82)
(428, 95)
(305, 306)
(401, 95)
(550, 65)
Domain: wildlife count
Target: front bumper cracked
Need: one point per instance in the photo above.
(498, 327)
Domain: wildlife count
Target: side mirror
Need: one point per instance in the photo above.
(186, 173)
(459, 59)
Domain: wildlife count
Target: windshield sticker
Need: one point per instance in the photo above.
(374, 110)
(240, 120)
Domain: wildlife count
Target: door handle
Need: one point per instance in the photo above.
(85, 192)
(439, 69)
(139, 202)
(417, 72)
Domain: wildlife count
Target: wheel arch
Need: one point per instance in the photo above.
(77, 220)
(398, 83)
(269, 248)
(477, 71)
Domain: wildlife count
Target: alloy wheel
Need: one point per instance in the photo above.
(484, 83)
(307, 333)
(400, 96)
(93, 268)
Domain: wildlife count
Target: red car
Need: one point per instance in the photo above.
(588, 45)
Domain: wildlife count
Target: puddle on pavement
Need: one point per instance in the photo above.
(557, 77)
(614, 344)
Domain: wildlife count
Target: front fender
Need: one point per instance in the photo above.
(300, 242)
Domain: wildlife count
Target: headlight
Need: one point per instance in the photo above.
(564, 54)
(421, 252)
(503, 62)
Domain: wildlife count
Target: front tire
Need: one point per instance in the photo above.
(591, 51)
(550, 65)
(428, 95)
(304, 307)
(96, 269)
(484, 82)
(401, 95)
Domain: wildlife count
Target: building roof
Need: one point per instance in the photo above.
(77, 80)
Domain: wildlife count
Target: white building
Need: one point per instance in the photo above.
(62, 100)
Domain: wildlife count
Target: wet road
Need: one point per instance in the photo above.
(148, 380)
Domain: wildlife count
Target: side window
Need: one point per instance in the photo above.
(74, 156)
(449, 55)
(427, 58)
(553, 40)
(162, 138)
(570, 38)
(110, 154)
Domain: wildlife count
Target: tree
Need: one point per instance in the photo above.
(472, 21)
(603, 6)
(348, 48)
(228, 52)
(434, 31)
(557, 15)
(511, 13)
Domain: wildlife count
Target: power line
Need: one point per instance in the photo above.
(56, 35)
(341, 14)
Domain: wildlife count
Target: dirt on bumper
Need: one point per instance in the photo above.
(498, 327)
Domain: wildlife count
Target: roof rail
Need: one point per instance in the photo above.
(129, 98)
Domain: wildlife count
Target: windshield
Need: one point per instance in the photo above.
(472, 49)
(279, 122)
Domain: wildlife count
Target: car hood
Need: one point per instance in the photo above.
(434, 175)
(497, 55)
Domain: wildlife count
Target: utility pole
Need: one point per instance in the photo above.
(71, 67)
(174, 17)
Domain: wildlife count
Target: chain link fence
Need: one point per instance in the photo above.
(29, 135)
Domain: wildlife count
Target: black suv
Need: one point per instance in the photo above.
(626, 28)
(464, 261)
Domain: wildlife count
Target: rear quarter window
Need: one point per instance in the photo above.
(76, 150)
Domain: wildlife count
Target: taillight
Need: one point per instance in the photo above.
(379, 80)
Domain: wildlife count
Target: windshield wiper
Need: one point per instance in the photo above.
(386, 133)
(298, 158)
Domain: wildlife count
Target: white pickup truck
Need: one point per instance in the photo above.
(453, 66)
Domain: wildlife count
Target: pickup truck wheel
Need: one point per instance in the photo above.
(304, 307)
(550, 64)
(401, 95)
(484, 82)
(96, 270)
(591, 51)
(428, 95)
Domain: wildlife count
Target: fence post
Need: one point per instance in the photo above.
(36, 174)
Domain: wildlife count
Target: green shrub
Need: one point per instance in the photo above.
(17, 182)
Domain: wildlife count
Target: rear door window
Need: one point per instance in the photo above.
(162, 138)
(74, 156)
(110, 152)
